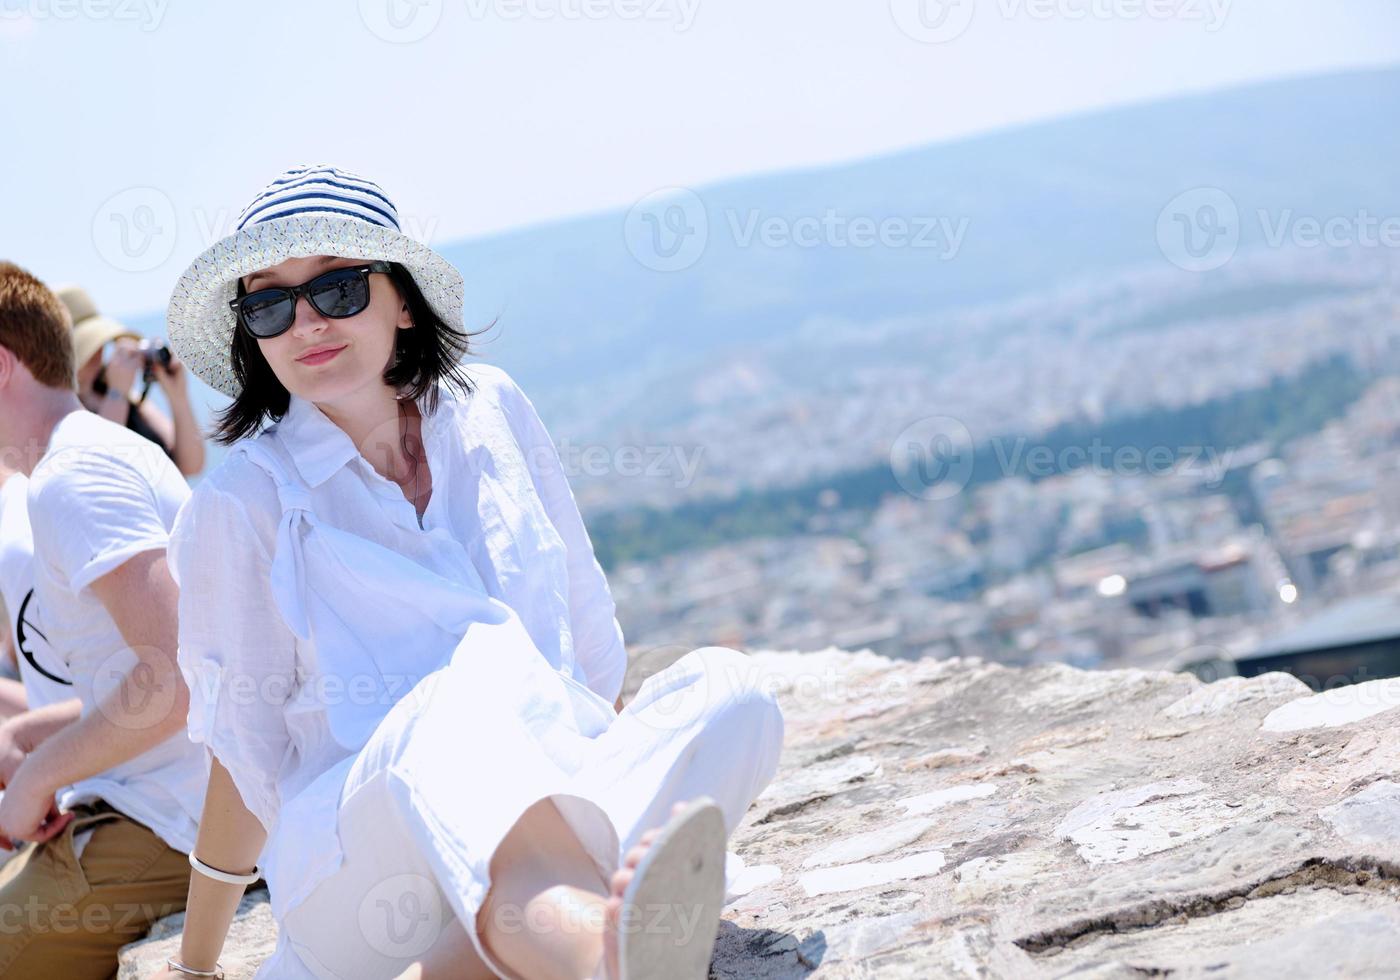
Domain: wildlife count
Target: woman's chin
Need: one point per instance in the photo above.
(329, 382)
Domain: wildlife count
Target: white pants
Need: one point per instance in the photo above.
(446, 776)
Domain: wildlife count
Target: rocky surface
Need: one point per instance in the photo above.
(962, 819)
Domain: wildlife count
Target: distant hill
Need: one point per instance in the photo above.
(1067, 199)
(584, 323)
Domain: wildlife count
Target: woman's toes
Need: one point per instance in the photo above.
(621, 879)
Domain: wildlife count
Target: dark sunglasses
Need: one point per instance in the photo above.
(337, 294)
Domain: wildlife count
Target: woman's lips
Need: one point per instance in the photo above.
(320, 357)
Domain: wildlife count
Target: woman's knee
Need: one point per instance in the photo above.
(737, 692)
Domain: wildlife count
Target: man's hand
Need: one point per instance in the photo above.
(28, 810)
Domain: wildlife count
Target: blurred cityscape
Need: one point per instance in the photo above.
(1132, 488)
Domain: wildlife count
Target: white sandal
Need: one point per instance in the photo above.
(671, 907)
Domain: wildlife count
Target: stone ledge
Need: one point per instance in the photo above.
(954, 818)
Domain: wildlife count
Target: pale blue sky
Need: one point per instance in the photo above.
(158, 119)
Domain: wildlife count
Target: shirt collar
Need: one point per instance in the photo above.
(320, 448)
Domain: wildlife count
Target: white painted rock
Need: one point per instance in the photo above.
(1369, 818)
(1339, 706)
(939, 798)
(866, 874)
(1227, 693)
(868, 845)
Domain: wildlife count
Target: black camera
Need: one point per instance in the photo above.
(153, 351)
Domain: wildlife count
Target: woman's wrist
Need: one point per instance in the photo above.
(183, 968)
(175, 392)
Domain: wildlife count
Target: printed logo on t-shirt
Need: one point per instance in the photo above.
(31, 638)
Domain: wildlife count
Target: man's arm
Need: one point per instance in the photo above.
(23, 733)
(148, 703)
(12, 699)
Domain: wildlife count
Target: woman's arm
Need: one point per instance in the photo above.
(114, 406)
(184, 438)
(598, 643)
(119, 374)
(230, 839)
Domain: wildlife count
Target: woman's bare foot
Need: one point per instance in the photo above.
(620, 880)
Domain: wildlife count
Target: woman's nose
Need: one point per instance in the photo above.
(306, 318)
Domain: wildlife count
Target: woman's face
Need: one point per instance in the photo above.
(87, 373)
(321, 359)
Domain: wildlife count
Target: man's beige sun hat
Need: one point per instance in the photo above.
(312, 210)
(91, 330)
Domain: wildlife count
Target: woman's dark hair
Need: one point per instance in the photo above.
(429, 352)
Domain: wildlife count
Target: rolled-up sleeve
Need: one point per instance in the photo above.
(90, 513)
(235, 652)
(597, 635)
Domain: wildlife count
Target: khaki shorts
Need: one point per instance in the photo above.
(66, 916)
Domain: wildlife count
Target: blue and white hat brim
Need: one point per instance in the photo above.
(295, 218)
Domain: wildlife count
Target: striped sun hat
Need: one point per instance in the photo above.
(312, 210)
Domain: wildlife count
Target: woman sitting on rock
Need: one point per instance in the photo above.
(402, 653)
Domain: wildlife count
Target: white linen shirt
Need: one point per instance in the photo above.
(295, 645)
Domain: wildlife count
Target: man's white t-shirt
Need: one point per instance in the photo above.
(45, 677)
(101, 495)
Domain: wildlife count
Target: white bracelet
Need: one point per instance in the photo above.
(179, 967)
(227, 876)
